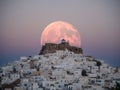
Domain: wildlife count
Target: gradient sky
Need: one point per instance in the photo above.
(22, 21)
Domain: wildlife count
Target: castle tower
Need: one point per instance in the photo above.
(63, 41)
(52, 47)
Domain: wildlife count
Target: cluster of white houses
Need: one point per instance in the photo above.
(62, 70)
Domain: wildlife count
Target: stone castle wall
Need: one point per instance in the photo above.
(51, 48)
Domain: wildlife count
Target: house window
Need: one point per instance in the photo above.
(25, 84)
(59, 86)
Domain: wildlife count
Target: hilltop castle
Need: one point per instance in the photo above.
(52, 47)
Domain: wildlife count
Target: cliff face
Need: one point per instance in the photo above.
(51, 48)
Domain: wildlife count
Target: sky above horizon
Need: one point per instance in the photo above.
(22, 22)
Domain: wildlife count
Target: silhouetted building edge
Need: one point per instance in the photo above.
(52, 47)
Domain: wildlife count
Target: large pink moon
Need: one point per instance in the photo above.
(56, 31)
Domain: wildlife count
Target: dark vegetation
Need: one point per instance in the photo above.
(11, 85)
(84, 73)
